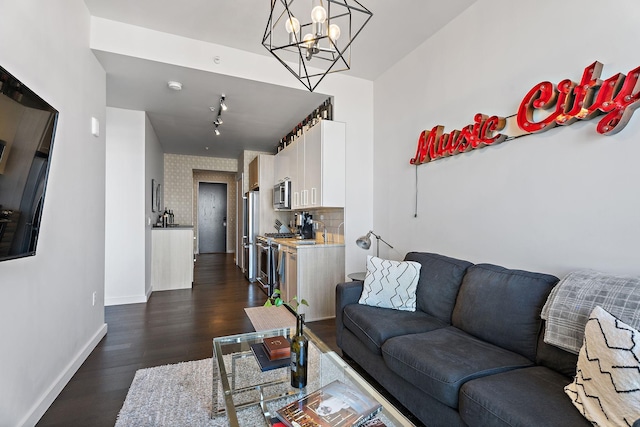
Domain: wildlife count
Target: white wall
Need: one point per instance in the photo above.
(154, 169)
(353, 100)
(552, 202)
(126, 201)
(48, 322)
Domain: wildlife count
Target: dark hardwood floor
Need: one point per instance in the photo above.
(173, 326)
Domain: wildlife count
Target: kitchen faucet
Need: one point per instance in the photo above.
(324, 231)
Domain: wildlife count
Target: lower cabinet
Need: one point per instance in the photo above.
(312, 273)
(171, 258)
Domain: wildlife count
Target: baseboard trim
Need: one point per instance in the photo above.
(127, 300)
(54, 390)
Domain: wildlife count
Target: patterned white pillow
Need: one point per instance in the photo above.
(606, 388)
(390, 284)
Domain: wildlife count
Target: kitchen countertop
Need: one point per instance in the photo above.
(174, 227)
(297, 243)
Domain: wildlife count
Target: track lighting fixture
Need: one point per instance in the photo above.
(218, 121)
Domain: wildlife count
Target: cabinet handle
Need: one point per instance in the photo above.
(296, 199)
(313, 197)
(305, 197)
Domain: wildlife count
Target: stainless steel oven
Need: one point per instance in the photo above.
(267, 263)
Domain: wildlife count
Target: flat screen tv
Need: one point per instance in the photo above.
(27, 130)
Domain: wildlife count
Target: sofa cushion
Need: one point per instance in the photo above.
(390, 284)
(502, 306)
(440, 361)
(440, 279)
(374, 325)
(606, 386)
(554, 357)
(522, 397)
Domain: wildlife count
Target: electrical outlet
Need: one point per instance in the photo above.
(94, 298)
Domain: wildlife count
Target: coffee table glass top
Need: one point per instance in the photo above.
(250, 397)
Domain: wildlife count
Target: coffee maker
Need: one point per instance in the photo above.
(304, 223)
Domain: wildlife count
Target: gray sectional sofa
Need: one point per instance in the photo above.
(471, 354)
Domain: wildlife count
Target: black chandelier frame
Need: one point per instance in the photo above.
(305, 50)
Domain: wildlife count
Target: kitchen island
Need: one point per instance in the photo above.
(171, 257)
(312, 269)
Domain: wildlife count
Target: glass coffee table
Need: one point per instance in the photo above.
(250, 397)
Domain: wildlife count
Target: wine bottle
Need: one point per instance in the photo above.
(299, 348)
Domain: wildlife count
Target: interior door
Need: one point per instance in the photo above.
(212, 217)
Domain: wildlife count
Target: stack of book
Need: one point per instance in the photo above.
(272, 353)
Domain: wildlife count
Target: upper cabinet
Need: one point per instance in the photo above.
(254, 174)
(315, 163)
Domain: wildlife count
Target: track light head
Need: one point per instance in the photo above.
(216, 131)
(223, 105)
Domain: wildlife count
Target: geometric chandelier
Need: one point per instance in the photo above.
(316, 35)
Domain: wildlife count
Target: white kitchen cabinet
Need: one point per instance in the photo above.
(315, 163)
(312, 273)
(323, 166)
(171, 258)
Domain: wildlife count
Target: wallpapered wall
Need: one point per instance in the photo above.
(178, 193)
(228, 178)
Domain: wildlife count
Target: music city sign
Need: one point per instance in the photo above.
(616, 97)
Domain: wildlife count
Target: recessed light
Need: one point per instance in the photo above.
(174, 85)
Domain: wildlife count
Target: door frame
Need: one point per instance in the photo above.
(197, 213)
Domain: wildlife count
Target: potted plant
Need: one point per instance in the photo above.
(275, 300)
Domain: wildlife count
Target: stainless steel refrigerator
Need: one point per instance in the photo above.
(251, 214)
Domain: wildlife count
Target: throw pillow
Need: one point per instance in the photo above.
(390, 284)
(606, 388)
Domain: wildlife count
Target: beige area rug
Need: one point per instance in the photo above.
(181, 394)
(171, 395)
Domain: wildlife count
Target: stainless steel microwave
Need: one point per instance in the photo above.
(282, 195)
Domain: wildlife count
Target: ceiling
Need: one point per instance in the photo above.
(183, 120)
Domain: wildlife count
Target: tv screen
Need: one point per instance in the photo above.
(27, 130)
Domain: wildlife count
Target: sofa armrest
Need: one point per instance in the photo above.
(346, 293)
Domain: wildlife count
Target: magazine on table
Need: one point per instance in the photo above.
(334, 405)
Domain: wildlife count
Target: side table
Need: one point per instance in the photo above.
(357, 276)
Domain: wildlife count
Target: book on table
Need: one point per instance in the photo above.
(277, 347)
(265, 363)
(334, 405)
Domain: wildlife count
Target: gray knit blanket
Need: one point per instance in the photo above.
(571, 301)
